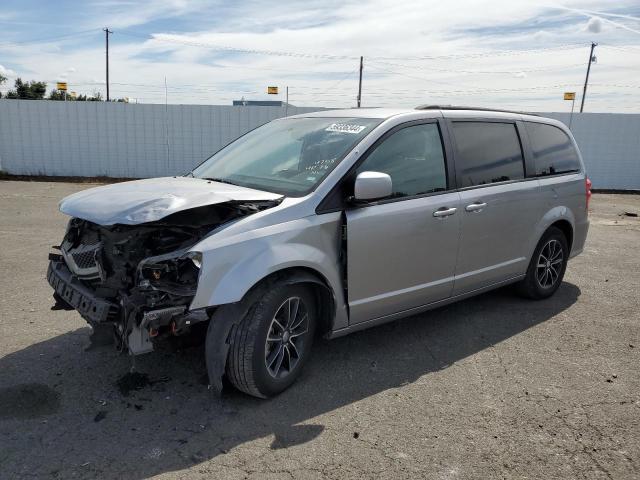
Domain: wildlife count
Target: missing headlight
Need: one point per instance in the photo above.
(196, 258)
(173, 274)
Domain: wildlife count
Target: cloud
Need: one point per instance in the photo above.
(7, 72)
(6, 15)
(594, 25)
(129, 13)
(65, 75)
(477, 53)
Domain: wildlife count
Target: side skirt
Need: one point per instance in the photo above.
(413, 311)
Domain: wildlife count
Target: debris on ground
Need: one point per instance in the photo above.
(132, 381)
(629, 214)
(101, 415)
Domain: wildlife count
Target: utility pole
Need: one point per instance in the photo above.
(166, 122)
(573, 101)
(106, 37)
(286, 103)
(360, 83)
(586, 80)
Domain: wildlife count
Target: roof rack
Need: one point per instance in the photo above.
(478, 109)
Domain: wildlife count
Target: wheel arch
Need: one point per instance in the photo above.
(322, 291)
(226, 316)
(566, 228)
(560, 217)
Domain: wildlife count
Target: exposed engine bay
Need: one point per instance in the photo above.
(138, 279)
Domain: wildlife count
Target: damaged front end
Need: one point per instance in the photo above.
(138, 280)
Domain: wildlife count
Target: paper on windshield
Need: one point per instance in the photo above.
(345, 128)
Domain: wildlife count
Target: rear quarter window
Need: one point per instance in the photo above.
(487, 152)
(553, 150)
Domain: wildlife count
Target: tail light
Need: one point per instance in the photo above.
(587, 187)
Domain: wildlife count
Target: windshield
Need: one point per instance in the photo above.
(289, 156)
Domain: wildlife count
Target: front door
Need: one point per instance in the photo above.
(401, 252)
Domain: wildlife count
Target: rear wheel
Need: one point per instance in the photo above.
(273, 342)
(547, 266)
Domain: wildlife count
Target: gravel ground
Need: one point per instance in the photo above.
(492, 387)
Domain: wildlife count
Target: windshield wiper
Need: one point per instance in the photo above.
(220, 180)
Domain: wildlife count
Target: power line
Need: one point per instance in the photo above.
(281, 53)
(498, 53)
(226, 48)
(393, 72)
(624, 48)
(46, 39)
(480, 72)
(193, 90)
(335, 85)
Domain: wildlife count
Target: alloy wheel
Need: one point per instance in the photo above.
(286, 337)
(549, 264)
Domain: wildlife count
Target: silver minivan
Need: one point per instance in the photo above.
(324, 224)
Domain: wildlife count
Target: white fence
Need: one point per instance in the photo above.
(610, 147)
(119, 140)
(127, 140)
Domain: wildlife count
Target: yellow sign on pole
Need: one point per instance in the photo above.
(272, 90)
(61, 86)
(570, 96)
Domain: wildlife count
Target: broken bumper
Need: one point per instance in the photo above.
(93, 309)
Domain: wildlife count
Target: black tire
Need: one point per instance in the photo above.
(247, 366)
(536, 285)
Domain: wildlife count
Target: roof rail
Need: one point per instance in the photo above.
(477, 109)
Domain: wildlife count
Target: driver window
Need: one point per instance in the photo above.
(413, 158)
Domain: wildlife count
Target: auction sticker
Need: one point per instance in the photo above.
(345, 128)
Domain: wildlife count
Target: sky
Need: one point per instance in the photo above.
(512, 54)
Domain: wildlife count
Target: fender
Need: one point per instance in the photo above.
(231, 270)
(552, 216)
(242, 276)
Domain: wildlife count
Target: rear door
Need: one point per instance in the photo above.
(401, 251)
(560, 174)
(500, 207)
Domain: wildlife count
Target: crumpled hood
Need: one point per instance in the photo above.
(152, 199)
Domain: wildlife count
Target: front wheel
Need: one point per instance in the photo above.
(547, 266)
(273, 341)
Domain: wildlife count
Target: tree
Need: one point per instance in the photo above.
(58, 95)
(2, 80)
(97, 97)
(28, 90)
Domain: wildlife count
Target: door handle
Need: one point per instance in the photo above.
(475, 207)
(444, 212)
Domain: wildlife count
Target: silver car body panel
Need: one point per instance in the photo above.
(494, 241)
(149, 200)
(400, 259)
(239, 256)
(379, 238)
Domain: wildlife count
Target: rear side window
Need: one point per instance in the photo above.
(488, 152)
(553, 150)
(413, 158)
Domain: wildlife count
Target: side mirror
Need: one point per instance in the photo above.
(372, 186)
